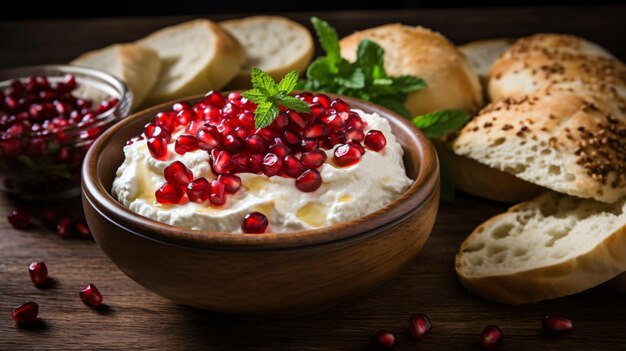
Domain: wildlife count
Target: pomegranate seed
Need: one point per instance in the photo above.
(198, 190)
(241, 133)
(169, 194)
(333, 139)
(180, 106)
(354, 135)
(358, 146)
(166, 121)
(209, 113)
(19, 218)
(25, 313)
(309, 144)
(157, 147)
(314, 158)
(316, 131)
(224, 128)
(193, 127)
(375, 140)
(70, 82)
(280, 149)
(281, 121)
(231, 182)
(208, 137)
(355, 121)
(340, 105)
(296, 119)
(185, 143)
(272, 164)
(383, 340)
(291, 137)
(255, 163)
(235, 95)
(242, 162)
(556, 324)
(255, 143)
(346, 155)
(217, 195)
(183, 117)
(214, 98)
(491, 337)
(309, 181)
(317, 111)
(177, 173)
(49, 218)
(246, 120)
(292, 166)
(38, 273)
(82, 230)
(232, 143)
(65, 226)
(266, 133)
(336, 121)
(230, 110)
(306, 97)
(91, 296)
(322, 99)
(254, 223)
(419, 325)
(153, 131)
(222, 162)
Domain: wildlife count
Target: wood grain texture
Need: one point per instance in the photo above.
(138, 319)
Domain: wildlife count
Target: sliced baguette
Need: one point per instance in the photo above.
(196, 56)
(552, 246)
(274, 44)
(136, 65)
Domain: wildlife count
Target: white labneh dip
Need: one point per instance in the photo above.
(346, 193)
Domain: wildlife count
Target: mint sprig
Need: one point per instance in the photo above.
(442, 122)
(365, 78)
(269, 96)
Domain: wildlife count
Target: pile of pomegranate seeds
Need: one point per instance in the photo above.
(25, 313)
(292, 146)
(65, 226)
(491, 337)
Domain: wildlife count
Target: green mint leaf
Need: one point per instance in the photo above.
(356, 80)
(369, 55)
(294, 104)
(256, 95)
(288, 82)
(265, 114)
(312, 85)
(396, 105)
(320, 71)
(407, 84)
(448, 188)
(262, 80)
(438, 123)
(382, 81)
(328, 39)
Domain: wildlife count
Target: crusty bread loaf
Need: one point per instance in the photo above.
(452, 82)
(275, 44)
(475, 178)
(552, 246)
(136, 65)
(196, 56)
(569, 134)
(482, 53)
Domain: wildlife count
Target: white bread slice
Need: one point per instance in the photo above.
(552, 246)
(482, 53)
(452, 82)
(136, 65)
(274, 44)
(196, 56)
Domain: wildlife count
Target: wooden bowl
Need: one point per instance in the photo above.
(264, 275)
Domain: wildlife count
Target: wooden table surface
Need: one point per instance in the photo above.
(139, 319)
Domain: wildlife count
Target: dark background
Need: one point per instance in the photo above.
(25, 9)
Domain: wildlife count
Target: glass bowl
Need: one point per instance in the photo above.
(45, 164)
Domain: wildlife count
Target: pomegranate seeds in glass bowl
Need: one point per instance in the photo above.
(49, 116)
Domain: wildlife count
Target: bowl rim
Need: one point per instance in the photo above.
(125, 99)
(424, 187)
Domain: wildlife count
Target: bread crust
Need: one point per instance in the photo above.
(599, 264)
(300, 63)
(452, 82)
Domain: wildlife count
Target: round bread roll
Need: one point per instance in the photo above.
(452, 82)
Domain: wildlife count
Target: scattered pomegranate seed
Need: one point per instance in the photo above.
(232, 183)
(19, 218)
(292, 166)
(198, 190)
(314, 158)
(491, 338)
(49, 218)
(419, 325)
(185, 143)
(38, 273)
(208, 137)
(91, 296)
(222, 162)
(217, 195)
(169, 194)
(383, 340)
(177, 173)
(25, 313)
(65, 227)
(157, 147)
(375, 140)
(556, 324)
(309, 181)
(354, 135)
(272, 164)
(82, 230)
(347, 155)
(254, 223)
